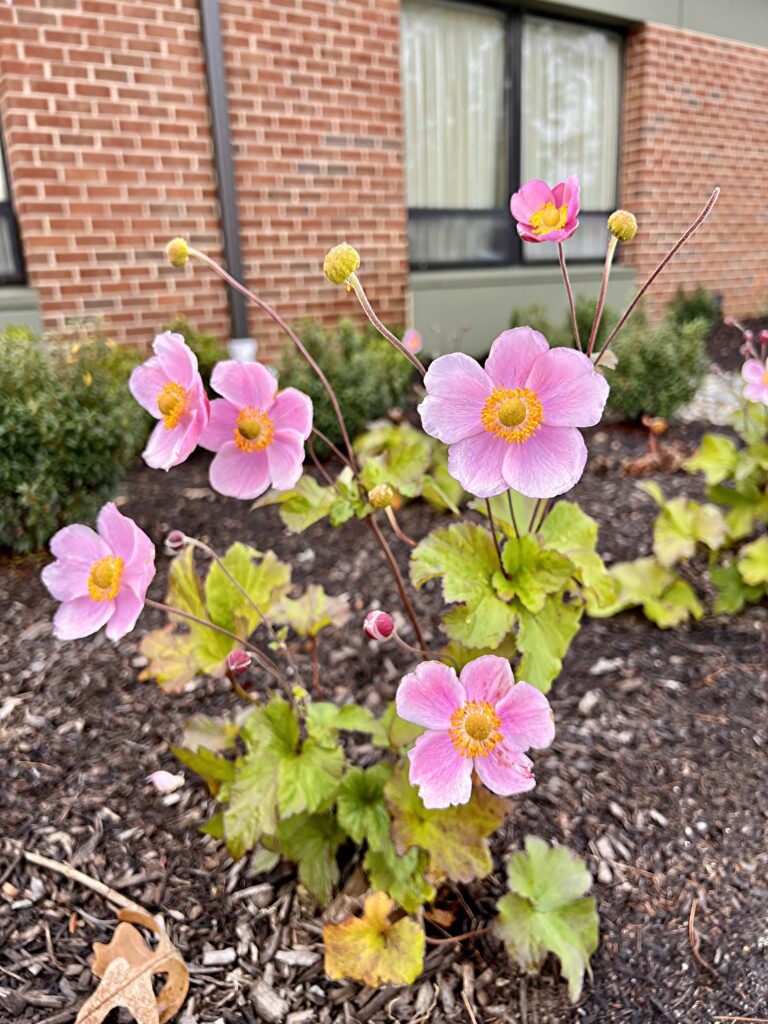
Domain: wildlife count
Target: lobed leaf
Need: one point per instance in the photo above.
(360, 806)
(311, 840)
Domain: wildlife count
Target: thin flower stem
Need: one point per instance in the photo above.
(458, 938)
(387, 551)
(512, 514)
(267, 624)
(315, 668)
(534, 514)
(291, 334)
(675, 248)
(603, 289)
(390, 513)
(262, 658)
(544, 513)
(243, 694)
(354, 283)
(438, 655)
(326, 440)
(495, 538)
(569, 291)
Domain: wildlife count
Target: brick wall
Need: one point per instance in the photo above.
(696, 116)
(105, 119)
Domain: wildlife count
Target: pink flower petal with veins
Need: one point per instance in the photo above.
(443, 776)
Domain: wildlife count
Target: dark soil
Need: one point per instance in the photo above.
(657, 776)
(724, 342)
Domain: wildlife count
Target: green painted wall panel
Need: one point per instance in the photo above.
(482, 300)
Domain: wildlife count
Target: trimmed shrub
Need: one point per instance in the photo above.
(561, 335)
(699, 304)
(368, 375)
(68, 429)
(659, 367)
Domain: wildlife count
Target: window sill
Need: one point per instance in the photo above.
(19, 307)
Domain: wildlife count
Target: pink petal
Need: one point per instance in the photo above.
(128, 607)
(146, 382)
(476, 462)
(567, 194)
(239, 474)
(168, 448)
(430, 695)
(221, 425)
(549, 462)
(118, 531)
(66, 580)
(292, 410)
(244, 383)
(526, 718)
(443, 776)
(505, 771)
(572, 392)
(176, 358)
(756, 393)
(752, 371)
(530, 198)
(457, 389)
(285, 457)
(81, 617)
(488, 678)
(513, 354)
(79, 544)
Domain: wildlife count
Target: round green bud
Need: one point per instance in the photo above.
(177, 252)
(622, 225)
(381, 496)
(340, 261)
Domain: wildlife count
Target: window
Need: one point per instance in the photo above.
(493, 98)
(11, 269)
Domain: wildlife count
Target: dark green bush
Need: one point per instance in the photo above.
(368, 375)
(206, 346)
(699, 304)
(68, 429)
(659, 367)
(561, 335)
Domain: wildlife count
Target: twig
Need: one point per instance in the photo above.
(62, 868)
(472, 1016)
(512, 514)
(354, 282)
(315, 668)
(495, 538)
(569, 290)
(693, 938)
(744, 1020)
(390, 514)
(458, 938)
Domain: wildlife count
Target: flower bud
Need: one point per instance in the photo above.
(177, 252)
(748, 335)
(340, 261)
(763, 337)
(413, 341)
(381, 496)
(238, 661)
(175, 541)
(378, 625)
(729, 321)
(622, 225)
(165, 782)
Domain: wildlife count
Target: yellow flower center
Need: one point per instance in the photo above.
(104, 578)
(475, 729)
(172, 403)
(254, 430)
(548, 218)
(512, 415)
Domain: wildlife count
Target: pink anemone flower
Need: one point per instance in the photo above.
(170, 388)
(545, 214)
(514, 423)
(100, 578)
(258, 435)
(481, 720)
(755, 373)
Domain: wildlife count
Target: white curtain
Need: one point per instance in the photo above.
(570, 107)
(453, 98)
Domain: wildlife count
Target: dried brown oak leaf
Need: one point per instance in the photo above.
(126, 966)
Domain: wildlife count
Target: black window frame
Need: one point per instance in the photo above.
(514, 251)
(8, 215)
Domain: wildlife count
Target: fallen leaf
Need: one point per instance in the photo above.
(126, 965)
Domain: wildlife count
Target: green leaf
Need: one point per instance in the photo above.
(311, 612)
(532, 573)
(309, 780)
(185, 589)
(543, 640)
(214, 734)
(521, 506)
(681, 524)
(341, 510)
(371, 950)
(455, 652)
(402, 467)
(440, 489)
(361, 809)
(717, 458)
(273, 727)
(398, 732)
(733, 592)
(573, 533)
(485, 624)
(675, 606)
(208, 765)
(324, 720)
(401, 877)
(262, 576)
(305, 505)
(251, 811)
(546, 912)
(665, 598)
(454, 838)
(753, 562)
(311, 840)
